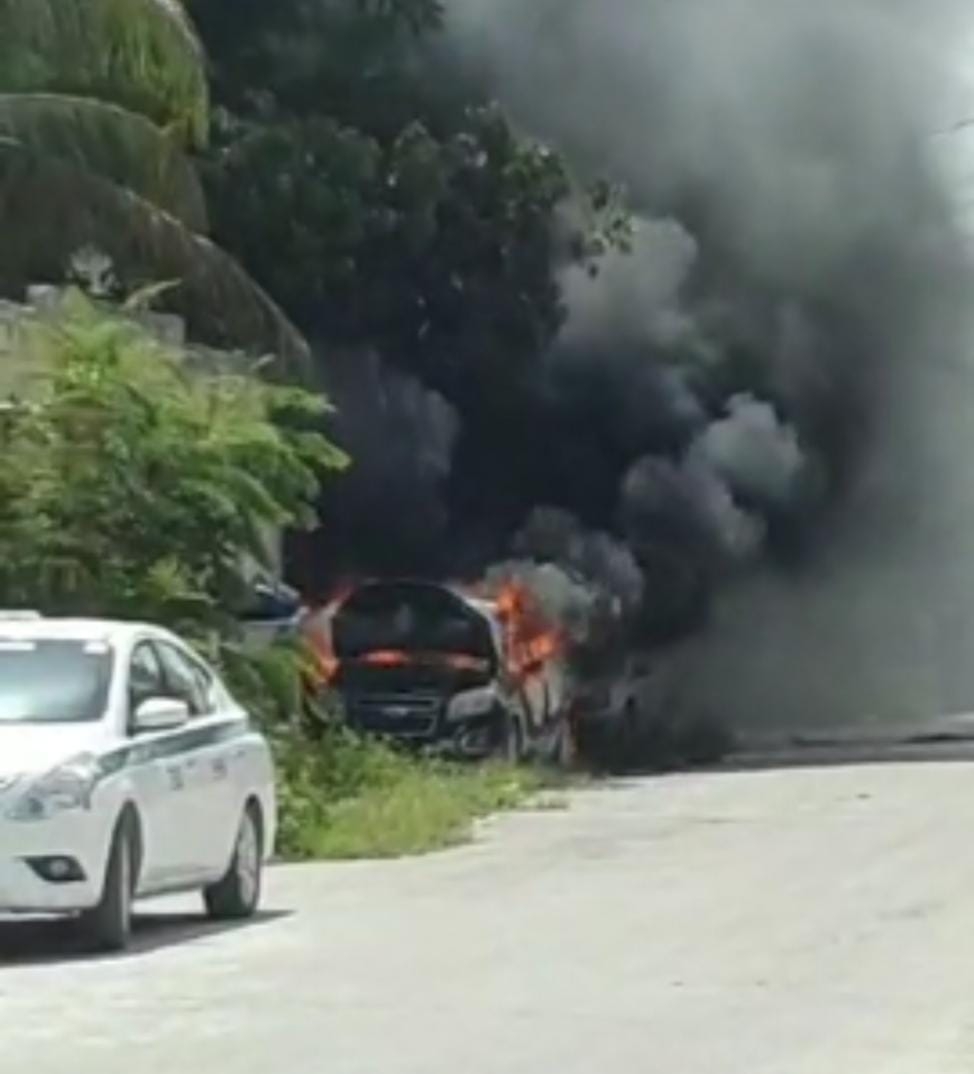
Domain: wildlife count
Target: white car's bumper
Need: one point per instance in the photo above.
(27, 850)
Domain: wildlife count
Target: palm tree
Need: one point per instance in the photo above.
(100, 102)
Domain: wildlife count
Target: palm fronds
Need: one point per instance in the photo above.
(49, 210)
(141, 54)
(122, 146)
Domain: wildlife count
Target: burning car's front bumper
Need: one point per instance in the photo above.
(425, 722)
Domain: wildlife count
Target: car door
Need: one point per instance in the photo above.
(212, 810)
(158, 783)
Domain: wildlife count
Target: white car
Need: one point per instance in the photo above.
(126, 769)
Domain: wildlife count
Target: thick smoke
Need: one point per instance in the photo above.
(776, 149)
(635, 297)
(752, 383)
(554, 536)
(389, 512)
(760, 459)
(794, 265)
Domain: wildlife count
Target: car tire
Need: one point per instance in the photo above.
(237, 895)
(107, 927)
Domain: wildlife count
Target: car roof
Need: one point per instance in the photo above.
(105, 630)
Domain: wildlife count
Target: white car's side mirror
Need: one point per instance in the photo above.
(160, 714)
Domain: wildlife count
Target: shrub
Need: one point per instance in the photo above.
(136, 485)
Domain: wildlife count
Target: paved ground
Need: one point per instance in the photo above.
(792, 922)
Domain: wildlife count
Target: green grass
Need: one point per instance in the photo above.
(348, 798)
(429, 808)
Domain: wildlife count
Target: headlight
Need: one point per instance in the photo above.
(67, 787)
(472, 703)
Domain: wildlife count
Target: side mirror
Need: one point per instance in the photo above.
(160, 714)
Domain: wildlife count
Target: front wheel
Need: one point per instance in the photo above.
(108, 926)
(237, 895)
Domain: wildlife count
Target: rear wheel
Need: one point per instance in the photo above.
(108, 926)
(237, 895)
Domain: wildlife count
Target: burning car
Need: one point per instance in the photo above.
(430, 665)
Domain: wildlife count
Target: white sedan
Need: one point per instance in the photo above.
(126, 769)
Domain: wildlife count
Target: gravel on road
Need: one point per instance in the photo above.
(805, 921)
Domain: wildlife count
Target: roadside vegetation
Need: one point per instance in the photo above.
(347, 798)
(102, 105)
(141, 477)
(139, 481)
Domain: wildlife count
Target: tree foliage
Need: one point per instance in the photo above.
(383, 203)
(60, 210)
(143, 55)
(99, 101)
(98, 138)
(137, 481)
(436, 251)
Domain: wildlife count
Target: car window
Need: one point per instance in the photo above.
(187, 680)
(207, 685)
(146, 679)
(53, 680)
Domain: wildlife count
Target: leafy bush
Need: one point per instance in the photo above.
(385, 805)
(137, 483)
(343, 796)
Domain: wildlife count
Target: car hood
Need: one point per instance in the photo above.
(32, 749)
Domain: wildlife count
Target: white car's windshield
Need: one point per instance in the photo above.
(53, 681)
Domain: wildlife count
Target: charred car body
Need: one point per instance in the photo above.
(431, 666)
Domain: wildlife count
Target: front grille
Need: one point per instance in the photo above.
(399, 715)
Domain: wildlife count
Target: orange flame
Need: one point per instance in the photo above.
(317, 633)
(460, 662)
(530, 640)
(396, 659)
(329, 665)
(386, 658)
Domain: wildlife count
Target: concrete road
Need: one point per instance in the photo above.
(790, 922)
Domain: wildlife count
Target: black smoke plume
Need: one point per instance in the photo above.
(717, 392)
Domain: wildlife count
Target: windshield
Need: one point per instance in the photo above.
(60, 681)
(410, 618)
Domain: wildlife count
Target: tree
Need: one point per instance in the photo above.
(305, 57)
(99, 102)
(437, 252)
(137, 478)
(378, 196)
(400, 218)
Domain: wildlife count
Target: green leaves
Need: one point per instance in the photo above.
(141, 54)
(50, 209)
(135, 487)
(99, 99)
(107, 141)
(436, 250)
(417, 15)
